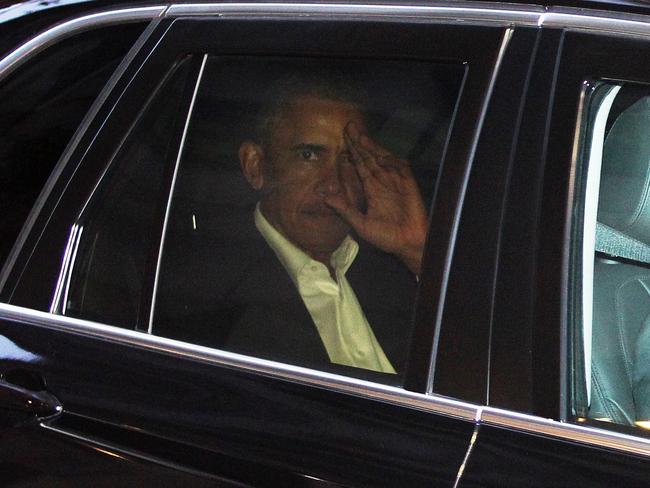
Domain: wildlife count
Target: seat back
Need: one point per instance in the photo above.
(621, 298)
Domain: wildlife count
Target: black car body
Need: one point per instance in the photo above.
(494, 392)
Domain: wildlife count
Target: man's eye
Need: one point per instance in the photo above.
(308, 155)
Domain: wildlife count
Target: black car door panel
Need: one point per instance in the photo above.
(537, 350)
(212, 417)
(234, 424)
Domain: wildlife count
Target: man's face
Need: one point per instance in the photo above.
(306, 161)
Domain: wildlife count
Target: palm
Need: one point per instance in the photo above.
(395, 220)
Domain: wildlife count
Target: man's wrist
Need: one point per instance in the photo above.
(412, 259)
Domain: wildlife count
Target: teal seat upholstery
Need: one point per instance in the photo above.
(621, 308)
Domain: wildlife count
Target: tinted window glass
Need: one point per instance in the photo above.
(274, 207)
(612, 270)
(43, 102)
(258, 257)
(111, 242)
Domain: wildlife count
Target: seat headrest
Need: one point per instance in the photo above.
(624, 200)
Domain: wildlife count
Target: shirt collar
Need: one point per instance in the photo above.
(295, 259)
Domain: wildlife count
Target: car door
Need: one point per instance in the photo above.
(564, 327)
(102, 285)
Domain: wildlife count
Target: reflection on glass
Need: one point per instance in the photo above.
(299, 216)
(106, 281)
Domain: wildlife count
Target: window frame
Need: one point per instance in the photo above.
(595, 106)
(546, 178)
(455, 45)
(603, 62)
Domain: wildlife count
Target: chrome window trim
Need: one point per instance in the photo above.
(435, 404)
(454, 12)
(472, 13)
(171, 193)
(525, 15)
(596, 21)
(583, 434)
(59, 32)
(451, 246)
(362, 388)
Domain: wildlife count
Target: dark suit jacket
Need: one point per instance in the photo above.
(242, 300)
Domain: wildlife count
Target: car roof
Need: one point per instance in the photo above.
(20, 21)
(33, 6)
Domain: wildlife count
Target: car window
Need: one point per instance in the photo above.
(296, 215)
(611, 341)
(259, 256)
(271, 204)
(102, 277)
(43, 102)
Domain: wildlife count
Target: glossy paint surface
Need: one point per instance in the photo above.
(34, 457)
(506, 458)
(234, 420)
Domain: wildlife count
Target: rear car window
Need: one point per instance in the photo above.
(294, 214)
(611, 296)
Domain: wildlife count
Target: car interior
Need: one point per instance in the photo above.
(213, 204)
(621, 291)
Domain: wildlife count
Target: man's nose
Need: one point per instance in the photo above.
(330, 181)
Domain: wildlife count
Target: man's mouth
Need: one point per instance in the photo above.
(321, 212)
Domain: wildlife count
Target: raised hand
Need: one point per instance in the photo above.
(395, 220)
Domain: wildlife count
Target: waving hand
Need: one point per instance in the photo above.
(395, 220)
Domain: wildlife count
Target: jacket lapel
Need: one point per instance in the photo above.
(386, 291)
(274, 322)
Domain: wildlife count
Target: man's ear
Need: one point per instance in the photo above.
(251, 159)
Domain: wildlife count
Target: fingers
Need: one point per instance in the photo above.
(371, 159)
(369, 145)
(361, 150)
(372, 176)
(358, 159)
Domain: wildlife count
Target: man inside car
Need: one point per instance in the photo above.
(332, 203)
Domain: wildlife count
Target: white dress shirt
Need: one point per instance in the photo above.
(332, 304)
